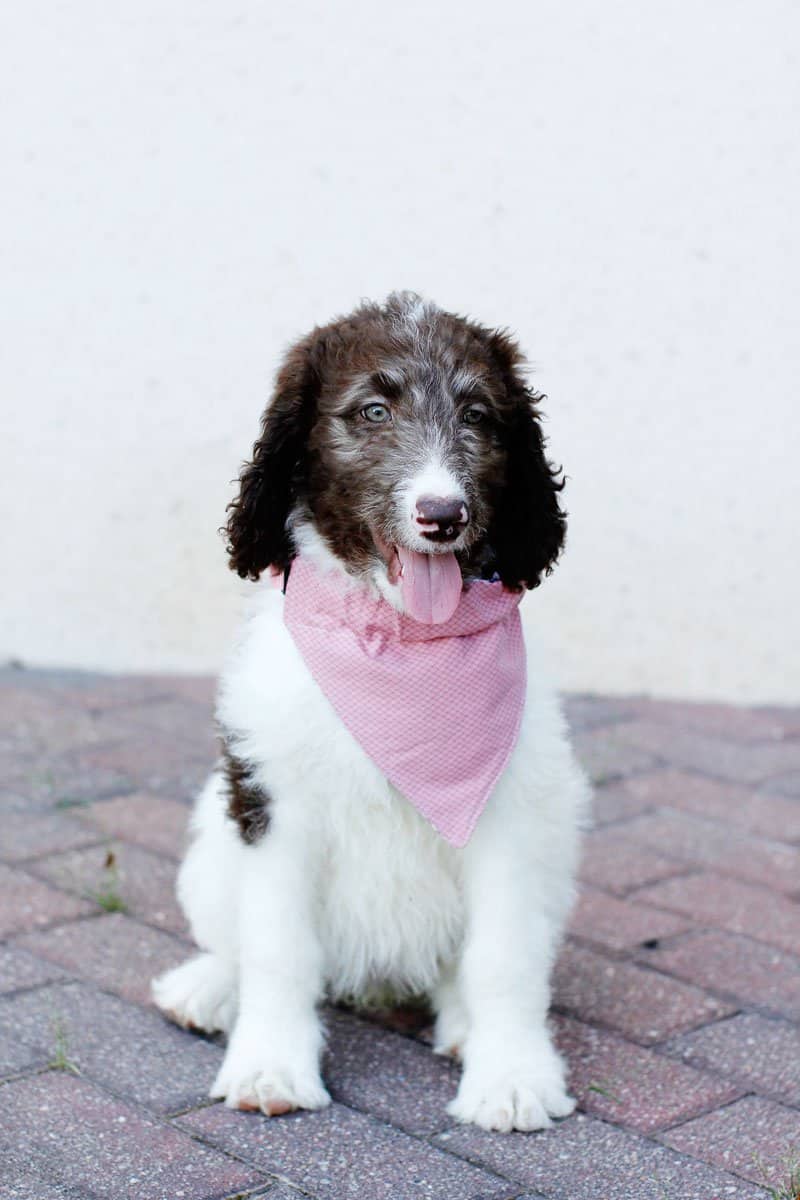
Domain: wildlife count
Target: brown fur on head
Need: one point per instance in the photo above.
(453, 391)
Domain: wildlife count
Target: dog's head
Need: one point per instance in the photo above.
(407, 438)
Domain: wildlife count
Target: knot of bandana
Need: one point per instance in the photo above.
(436, 707)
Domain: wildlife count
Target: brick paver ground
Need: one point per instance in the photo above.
(676, 998)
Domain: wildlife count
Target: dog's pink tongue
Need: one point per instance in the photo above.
(431, 585)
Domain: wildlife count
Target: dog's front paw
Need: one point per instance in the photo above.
(524, 1095)
(256, 1077)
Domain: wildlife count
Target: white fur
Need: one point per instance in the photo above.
(350, 890)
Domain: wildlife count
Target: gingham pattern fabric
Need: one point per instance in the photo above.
(436, 707)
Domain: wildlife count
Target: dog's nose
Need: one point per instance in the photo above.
(441, 518)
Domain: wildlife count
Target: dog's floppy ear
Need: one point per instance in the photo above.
(529, 527)
(272, 480)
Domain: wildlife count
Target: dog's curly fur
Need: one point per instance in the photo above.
(308, 874)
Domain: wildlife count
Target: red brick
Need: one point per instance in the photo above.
(616, 864)
(711, 755)
(631, 1086)
(752, 1138)
(734, 966)
(761, 1055)
(758, 811)
(641, 1004)
(27, 903)
(144, 883)
(74, 1134)
(113, 951)
(620, 924)
(730, 904)
(147, 820)
(710, 844)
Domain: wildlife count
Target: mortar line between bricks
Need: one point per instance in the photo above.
(715, 929)
(597, 1023)
(650, 1138)
(630, 892)
(105, 842)
(611, 823)
(706, 772)
(171, 860)
(422, 1139)
(93, 916)
(157, 1119)
(766, 893)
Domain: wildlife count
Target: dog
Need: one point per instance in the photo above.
(400, 474)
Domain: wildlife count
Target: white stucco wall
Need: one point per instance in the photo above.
(187, 186)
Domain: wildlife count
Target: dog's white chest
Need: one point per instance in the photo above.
(390, 901)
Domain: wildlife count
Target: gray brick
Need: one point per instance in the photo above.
(584, 1159)
(607, 758)
(18, 969)
(74, 1134)
(339, 1152)
(762, 1055)
(592, 712)
(132, 1051)
(393, 1077)
(19, 1182)
(754, 1138)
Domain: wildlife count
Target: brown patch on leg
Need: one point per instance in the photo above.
(248, 804)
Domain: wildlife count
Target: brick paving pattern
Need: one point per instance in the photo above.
(676, 996)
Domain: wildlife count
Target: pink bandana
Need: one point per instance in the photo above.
(436, 707)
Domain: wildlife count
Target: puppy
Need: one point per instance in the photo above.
(397, 804)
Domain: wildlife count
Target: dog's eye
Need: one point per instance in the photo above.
(474, 414)
(378, 414)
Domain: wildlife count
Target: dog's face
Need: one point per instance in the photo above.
(408, 439)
